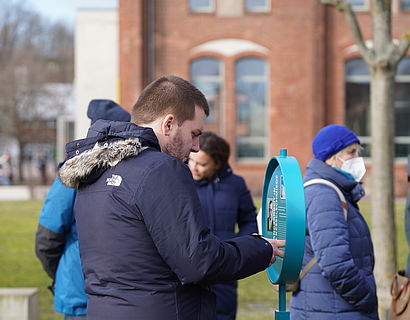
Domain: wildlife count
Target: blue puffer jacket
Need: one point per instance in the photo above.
(57, 249)
(341, 284)
(226, 201)
(145, 248)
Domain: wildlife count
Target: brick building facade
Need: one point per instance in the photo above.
(274, 71)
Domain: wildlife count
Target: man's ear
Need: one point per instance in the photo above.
(168, 124)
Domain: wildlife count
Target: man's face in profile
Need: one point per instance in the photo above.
(185, 139)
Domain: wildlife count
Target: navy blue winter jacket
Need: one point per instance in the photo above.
(341, 284)
(226, 201)
(146, 250)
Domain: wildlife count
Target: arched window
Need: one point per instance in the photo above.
(206, 75)
(357, 78)
(251, 86)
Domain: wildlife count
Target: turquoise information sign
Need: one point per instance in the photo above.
(284, 218)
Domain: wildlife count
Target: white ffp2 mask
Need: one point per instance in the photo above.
(354, 166)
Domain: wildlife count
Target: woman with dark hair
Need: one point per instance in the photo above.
(225, 201)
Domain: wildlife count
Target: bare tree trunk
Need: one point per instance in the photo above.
(382, 189)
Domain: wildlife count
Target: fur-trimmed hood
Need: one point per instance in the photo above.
(107, 143)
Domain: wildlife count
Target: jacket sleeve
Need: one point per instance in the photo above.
(175, 223)
(246, 211)
(331, 245)
(56, 219)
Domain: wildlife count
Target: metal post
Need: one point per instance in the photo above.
(282, 314)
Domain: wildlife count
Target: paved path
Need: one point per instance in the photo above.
(12, 193)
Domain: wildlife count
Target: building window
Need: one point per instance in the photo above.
(257, 5)
(405, 5)
(201, 5)
(359, 5)
(206, 75)
(251, 87)
(357, 79)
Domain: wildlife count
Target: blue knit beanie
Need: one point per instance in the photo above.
(331, 139)
(101, 109)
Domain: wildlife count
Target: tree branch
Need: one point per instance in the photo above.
(401, 48)
(346, 8)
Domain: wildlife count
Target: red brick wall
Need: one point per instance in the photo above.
(306, 43)
(131, 43)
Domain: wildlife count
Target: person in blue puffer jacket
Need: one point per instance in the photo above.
(56, 237)
(226, 202)
(341, 284)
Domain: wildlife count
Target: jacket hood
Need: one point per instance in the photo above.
(107, 144)
(106, 110)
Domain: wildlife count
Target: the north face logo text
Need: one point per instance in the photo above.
(115, 180)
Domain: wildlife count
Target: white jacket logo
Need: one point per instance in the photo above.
(115, 180)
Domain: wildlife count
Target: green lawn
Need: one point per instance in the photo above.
(19, 266)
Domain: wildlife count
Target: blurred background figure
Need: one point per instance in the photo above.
(226, 202)
(42, 167)
(56, 237)
(341, 284)
(6, 172)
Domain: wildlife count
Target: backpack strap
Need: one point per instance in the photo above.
(342, 198)
(333, 186)
(307, 267)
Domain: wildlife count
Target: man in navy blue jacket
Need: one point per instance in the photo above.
(145, 248)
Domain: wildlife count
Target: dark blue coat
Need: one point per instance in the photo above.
(341, 284)
(226, 201)
(145, 248)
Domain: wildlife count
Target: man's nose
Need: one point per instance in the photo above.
(195, 145)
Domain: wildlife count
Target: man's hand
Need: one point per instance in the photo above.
(276, 244)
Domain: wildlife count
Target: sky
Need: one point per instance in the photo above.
(64, 10)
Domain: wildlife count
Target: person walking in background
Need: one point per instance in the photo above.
(42, 166)
(56, 238)
(145, 249)
(226, 202)
(341, 284)
(6, 169)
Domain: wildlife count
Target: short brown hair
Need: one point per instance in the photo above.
(216, 147)
(168, 94)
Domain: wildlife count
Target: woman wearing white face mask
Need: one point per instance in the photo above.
(340, 285)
